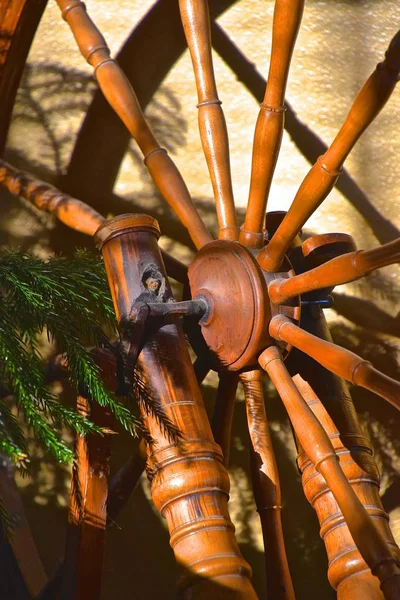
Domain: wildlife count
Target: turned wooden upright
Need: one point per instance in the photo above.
(190, 486)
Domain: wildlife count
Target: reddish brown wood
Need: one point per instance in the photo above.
(348, 572)
(119, 93)
(221, 424)
(87, 519)
(340, 361)
(228, 277)
(70, 211)
(18, 22)
(339, 270)
(21, 539)
(270, 122)
(190, 485)
(323, 175)
(318, 446)
(214, 136)
(267, 490)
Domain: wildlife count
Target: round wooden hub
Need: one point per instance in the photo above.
(235, 327)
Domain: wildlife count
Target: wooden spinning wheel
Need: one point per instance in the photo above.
(257, 295)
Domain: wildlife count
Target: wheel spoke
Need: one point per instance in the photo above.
(270, 122)
(72, 212)
(320, 451)
(338, 270)
(221, 424)
(120, 95)
(214, 136)
(338, 360)
(267, 489)
(323, 175)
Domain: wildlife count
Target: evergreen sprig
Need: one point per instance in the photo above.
(69, 298)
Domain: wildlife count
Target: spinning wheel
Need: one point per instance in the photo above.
(257, 295)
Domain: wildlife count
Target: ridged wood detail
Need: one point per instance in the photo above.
(72, 212)
(120, 95)
(271, 118)
(87, 519)
(347, 572)
(323, 175)
(190, 485)
(267, 490)
(338, 360)
(338, 270)
(318, 446)
(213, 133)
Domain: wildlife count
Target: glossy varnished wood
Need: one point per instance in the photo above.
(340, 361)
(318, 447)
(18, 22)
(339, 270)
(214, 136)
(119, 93)
(267, 489)
(322, 177)
(270, 122)
(87, 520)
(189, 483)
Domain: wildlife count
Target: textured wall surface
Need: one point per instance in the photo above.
(339, 44)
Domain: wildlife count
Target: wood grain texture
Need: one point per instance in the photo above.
(340, 361)
(120, 95)
(267, 489)
(87, 519)
(337, 271)
(373, 547)
(347, 572)
(270, 122)
(213, 132)
(188, 480)
(19, 20)
(68, 210)
(329, 398)
(323, 175)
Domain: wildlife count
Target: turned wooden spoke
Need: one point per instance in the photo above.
(83, 563)
(340, 361)
(214, 136)
(319, 449)
(221, 424)
(267, 489)
(270, 122)
(323, 175)
(72, 212)
(339, 270)
(120, 95)
(68, 210)
(190, 485)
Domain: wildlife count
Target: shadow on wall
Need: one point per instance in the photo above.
(137, 550)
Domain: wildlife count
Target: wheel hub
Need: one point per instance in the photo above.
(235, 327)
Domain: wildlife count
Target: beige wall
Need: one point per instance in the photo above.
(339, 44)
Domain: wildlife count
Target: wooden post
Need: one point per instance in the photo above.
(190, 485)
